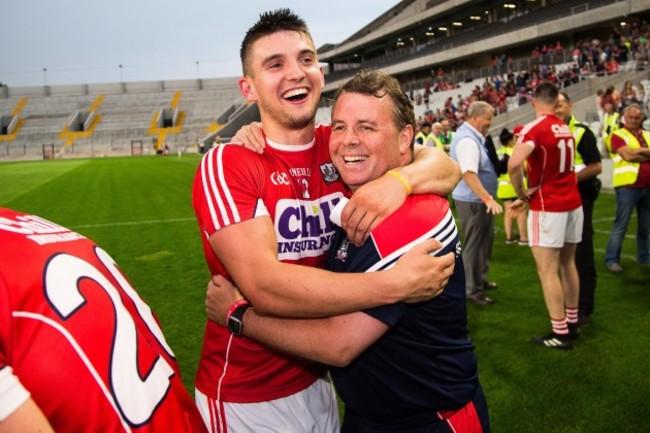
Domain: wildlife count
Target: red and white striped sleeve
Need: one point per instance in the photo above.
(227, 187)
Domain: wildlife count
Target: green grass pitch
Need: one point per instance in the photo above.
(139, 210)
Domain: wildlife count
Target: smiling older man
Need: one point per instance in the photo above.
(474, 198)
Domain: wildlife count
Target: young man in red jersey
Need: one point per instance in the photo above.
(261, 215)
(555, 220)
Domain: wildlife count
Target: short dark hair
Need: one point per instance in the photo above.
(271, 22)
(546, 93)
(505, 136)
(380, 84)
(565, 95)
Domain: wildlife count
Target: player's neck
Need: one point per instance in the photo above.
(544, 110)
(282, 134)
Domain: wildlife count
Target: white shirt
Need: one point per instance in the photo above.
(468, 153)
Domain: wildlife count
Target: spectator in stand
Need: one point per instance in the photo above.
(576, 55)
(611, 67)
(607, 96)
(522, 96)
(534, 81)
(506, 192)
(536, 53)
(640, 95)
(629, 150)
(628, 94)
(585, 71)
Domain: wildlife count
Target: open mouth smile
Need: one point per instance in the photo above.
(296, 95)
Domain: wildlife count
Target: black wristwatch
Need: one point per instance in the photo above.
(236, 320)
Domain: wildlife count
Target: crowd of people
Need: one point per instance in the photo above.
(622, 138)
(590, 58)
(324, 206)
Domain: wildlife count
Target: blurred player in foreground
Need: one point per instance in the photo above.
(80, 351)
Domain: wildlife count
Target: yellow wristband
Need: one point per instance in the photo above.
(403, 180)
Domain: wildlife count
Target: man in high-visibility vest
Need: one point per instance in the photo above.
(611, 120)
(631, 156)
(436, 129)
(425, 137)
(587, 167)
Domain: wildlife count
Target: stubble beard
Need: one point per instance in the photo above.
(289, 121)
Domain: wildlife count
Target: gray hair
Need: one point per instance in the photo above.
(479, 108)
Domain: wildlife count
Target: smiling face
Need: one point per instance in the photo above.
(365, 140)
(284, 77)
(482, 122)
(563, 108)
(633, 117)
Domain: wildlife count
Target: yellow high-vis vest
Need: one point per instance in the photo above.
(505, 189)
(625, 172)
(578, 162)
(429, 137)
(610, 124)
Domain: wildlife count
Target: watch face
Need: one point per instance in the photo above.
(235, 325)
(236, 319)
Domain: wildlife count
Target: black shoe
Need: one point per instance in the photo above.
(490, 285)
(583, 320)
(574, 331)
(480, 299)
(554, 341)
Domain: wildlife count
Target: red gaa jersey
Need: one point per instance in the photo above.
(550, 165)
(76, 336)
(297, 187)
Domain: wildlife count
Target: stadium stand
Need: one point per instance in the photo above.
(406, 41)
(126, 112)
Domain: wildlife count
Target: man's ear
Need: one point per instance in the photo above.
(405, 139)
(247, 89)
(322, 78)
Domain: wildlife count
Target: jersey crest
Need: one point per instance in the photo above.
(330, 174)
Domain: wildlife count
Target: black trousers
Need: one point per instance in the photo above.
(589, 191)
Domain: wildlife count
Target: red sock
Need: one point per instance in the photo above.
(560, 326)
(572, 315)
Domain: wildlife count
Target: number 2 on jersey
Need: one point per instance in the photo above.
(137, 397)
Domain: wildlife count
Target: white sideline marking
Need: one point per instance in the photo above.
(134, 223)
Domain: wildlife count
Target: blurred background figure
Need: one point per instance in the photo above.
(80, 351)
(631, 156)
(506, 192)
